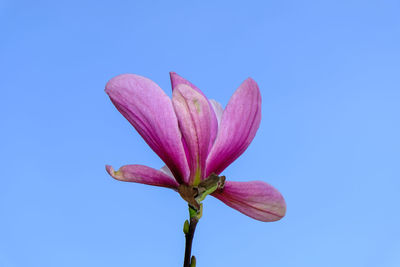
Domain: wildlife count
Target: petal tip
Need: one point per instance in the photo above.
(114, 80)
(121, 80)
(175, 79)
(252, 83)
(109, 169)
(280, 211)
(115, 174)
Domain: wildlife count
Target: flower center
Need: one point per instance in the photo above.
(193, 195)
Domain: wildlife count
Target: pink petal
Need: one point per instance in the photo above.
(177, 80)
(255, 199)
(194, 117)
(150, 111)
(218, 110)
(167, 171)
(239, 124)
(143, 175)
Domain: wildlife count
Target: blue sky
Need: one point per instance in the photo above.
(328, 140)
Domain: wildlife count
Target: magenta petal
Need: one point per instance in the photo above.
(143, 175)
(177, 80)
(194, 117)
(255, 199)
(239, 124)
(218, 110)
(150, 111)
(166, 171)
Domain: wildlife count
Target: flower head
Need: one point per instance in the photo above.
(196, 139)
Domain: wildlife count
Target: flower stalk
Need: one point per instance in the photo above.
(194, 195)
(189, 229)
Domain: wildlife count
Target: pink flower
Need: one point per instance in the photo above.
(195, 138)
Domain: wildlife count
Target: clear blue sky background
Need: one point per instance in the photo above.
(329, 73)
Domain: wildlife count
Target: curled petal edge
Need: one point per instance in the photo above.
(143, 175)
(218, 109)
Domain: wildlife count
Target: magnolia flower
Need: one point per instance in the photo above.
(195, 138)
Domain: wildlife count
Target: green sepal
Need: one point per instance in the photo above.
(194, 213)
(186, 227)
(194, 195)
(209, 186)
(193, 261)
